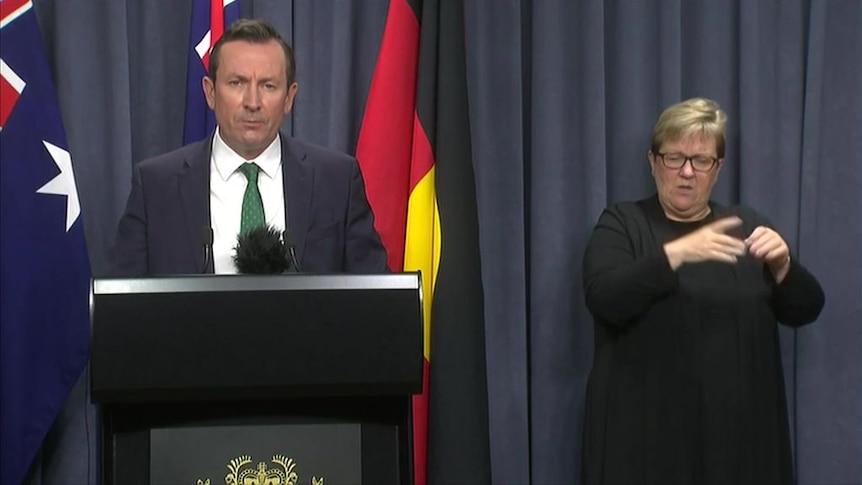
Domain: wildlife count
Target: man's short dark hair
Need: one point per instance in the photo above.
(256, 32)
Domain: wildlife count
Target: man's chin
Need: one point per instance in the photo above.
(249, 149)
(257, 141)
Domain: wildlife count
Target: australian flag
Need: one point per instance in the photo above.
(209, 20)
(44, 269)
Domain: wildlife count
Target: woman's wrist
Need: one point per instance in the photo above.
(780, 270)
(674, 254)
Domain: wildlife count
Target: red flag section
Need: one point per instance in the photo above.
(385, 151)
(414, 150)
(386, 137)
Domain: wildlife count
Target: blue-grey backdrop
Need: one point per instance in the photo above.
(563, 95)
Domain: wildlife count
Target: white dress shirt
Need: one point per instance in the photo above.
(227, 188)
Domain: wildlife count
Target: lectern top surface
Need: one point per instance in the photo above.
(216, 283)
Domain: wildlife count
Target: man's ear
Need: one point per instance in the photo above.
(291, 96)
(209, 91)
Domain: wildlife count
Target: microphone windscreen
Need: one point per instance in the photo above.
(260, 251)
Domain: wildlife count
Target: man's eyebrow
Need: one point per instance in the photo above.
(243, 77)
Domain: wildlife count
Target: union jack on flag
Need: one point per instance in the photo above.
(209, 19)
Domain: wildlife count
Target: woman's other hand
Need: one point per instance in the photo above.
(768, 246)
(709, 243)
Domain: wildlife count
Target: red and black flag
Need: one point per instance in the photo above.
(415, 153)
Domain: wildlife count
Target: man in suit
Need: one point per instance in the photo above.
(181, 199)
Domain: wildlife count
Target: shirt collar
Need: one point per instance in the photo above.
(227, 161)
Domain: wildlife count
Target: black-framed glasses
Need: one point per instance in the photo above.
(676, 160)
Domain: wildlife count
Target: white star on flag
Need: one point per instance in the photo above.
(63, 183)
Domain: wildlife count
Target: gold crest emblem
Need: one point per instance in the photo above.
(242, 474)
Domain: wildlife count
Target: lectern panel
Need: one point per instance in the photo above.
(235, 336)
(313, 372)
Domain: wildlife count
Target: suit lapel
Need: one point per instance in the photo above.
(193, 184)
(297, 177)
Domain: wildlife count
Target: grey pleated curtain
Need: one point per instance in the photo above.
(563, 95)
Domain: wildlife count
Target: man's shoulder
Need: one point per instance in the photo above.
(318, 154)
(175, 159)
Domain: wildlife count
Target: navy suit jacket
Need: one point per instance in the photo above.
(168, 210)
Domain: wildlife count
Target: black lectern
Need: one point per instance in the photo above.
(257, 378)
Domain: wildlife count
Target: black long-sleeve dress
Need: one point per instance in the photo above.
(687, 384)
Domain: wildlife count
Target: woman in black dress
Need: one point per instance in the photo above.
(686, 294)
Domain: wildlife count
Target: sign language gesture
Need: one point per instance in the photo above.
(768, 246)
(713, 243)
(709, 243)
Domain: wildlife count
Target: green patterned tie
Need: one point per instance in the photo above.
(252, 205)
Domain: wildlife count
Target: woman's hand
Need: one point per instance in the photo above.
(709, 243)
(768, 246)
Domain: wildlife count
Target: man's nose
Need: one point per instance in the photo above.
(251, 99)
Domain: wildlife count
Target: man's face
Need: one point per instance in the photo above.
(250, 95)
(683, 192)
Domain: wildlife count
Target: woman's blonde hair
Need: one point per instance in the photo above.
(692, 117)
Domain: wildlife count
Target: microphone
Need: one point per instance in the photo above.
(291, 250)
(261, 251)
(207, 240)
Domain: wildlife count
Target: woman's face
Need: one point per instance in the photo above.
(684, 192)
